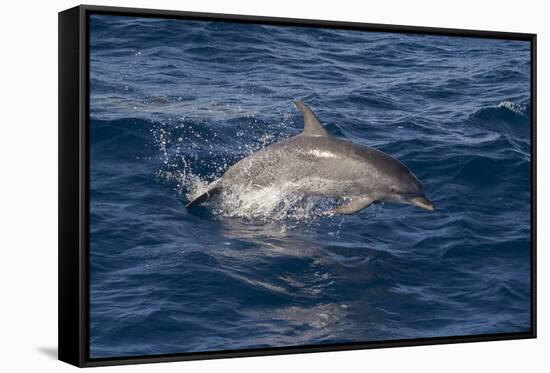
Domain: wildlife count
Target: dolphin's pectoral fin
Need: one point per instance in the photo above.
(354, 205)
(312, 125)
(204, 197)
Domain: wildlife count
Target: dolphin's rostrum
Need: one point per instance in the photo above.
(315, 163)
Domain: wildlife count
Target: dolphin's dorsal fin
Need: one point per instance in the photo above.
(312, 125)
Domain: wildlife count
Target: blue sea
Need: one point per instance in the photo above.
(175, 103)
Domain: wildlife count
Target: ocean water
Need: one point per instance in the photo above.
(175, 103)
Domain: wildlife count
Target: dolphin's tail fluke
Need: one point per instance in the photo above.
(212, 192)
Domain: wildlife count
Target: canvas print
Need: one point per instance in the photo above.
(255, 186)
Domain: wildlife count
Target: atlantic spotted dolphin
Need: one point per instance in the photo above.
(315, 163)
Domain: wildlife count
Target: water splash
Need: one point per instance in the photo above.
(252, 203)
(281, 203)
(192, 156)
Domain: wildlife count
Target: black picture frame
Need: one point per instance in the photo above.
(73, 248)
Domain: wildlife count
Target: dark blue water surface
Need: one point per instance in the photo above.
(175, 103)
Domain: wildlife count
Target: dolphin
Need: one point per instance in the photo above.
(315, 163)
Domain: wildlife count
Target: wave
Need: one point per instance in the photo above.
(191, 153)
(505, 116)
(506, 111)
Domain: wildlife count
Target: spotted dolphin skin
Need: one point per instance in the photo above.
(314, 163)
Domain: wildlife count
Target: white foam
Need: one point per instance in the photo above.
(512, 106)
(252, 202)
(269, 203)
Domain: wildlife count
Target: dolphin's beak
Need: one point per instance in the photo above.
(423, 203)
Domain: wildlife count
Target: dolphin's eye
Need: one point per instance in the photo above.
(393, 189)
